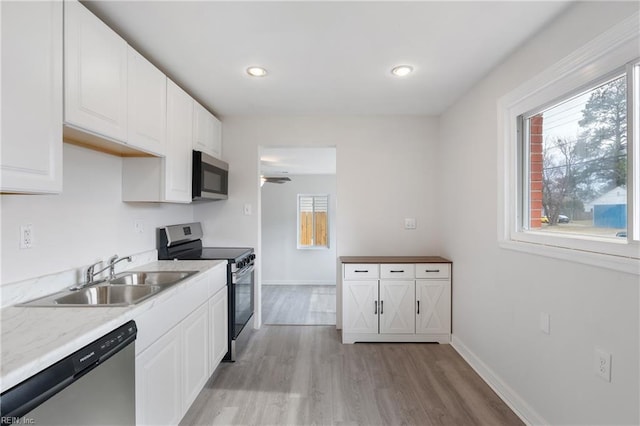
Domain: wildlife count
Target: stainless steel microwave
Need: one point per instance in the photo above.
(210, 178)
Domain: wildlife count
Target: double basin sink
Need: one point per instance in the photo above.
(125, 289)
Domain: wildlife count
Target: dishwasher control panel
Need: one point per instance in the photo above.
(103, 348)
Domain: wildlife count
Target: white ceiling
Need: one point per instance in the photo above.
(297, 161)
(326, 57)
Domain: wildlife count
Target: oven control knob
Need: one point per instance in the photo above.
(253, 256)
(240, 264)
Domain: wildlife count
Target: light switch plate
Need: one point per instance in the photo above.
(545, 323)
(247, 209)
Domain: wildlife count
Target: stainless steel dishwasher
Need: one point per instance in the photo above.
(93, 386)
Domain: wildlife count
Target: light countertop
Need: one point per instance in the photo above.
(393, 259)
(34, 338)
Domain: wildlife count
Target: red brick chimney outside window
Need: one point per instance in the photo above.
(535, 171)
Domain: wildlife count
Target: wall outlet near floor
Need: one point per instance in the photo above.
(26, 236)
(602, 364)
(545, 323)
(410, 223)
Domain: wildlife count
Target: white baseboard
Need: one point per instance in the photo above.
(297, 282)
(523, 410)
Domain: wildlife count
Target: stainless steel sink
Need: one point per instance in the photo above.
(101, 295)
(157, 278)
(126, 289)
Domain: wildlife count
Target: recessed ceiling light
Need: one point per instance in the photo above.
(256, 71)
(402, 70)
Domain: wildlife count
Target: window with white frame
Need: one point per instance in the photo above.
(575, 162)
(313, 221)
(570, 151)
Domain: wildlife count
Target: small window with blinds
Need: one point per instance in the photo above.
(313, 221)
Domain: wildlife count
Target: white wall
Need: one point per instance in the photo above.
(386, 171)
(498, 294)
(84, 224)
(282, 261)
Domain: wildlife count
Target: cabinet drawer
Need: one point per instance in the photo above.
(361, 271)
(397, 270)
(432, 270)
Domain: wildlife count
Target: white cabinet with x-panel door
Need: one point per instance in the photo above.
(385, 300)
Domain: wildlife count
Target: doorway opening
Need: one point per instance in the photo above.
(298, 234)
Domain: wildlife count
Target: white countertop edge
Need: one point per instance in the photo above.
(18, 365)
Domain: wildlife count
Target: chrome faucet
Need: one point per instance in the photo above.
(113, 260)
(91, 273)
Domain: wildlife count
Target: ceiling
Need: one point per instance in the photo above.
(297, 161)
(326, 57)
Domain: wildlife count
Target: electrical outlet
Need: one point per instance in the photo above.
(410, 223)
(602, 364)
(26, 236)
(138, 224)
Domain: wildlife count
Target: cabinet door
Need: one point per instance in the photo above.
(31, 159)
(179, 145)
(216, 145)
(218, 328)
(195, 329)
(202, 129)
(147, 104)
(158, 381)
(95, 60)
(433, 306)
(360, 306)
(397, 299)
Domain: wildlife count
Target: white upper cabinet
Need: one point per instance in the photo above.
(179, 137)
(147, 104)
(216, 149)
(167, 179)
(95, 77)
(207, 131)
(31, 160)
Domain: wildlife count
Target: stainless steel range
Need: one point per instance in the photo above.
(184, 242)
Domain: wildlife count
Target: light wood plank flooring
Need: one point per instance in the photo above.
(299, 304)
(297, 375)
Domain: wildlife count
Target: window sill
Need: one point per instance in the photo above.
(625, 264)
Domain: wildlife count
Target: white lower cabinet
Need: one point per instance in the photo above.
(181, 341)
(218, 328)
(195, 332)
(397, 299)
(158, 381)
(386, 303)
(433, 299)
(361, 307)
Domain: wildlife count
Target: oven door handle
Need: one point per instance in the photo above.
(242, 273)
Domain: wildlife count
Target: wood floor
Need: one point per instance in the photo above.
(299, 375)
(299, 304)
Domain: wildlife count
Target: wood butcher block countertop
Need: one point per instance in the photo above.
(393, 259)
